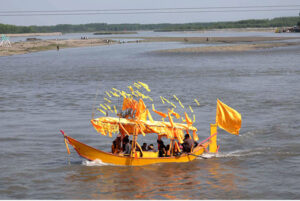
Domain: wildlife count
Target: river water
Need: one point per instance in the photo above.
(43, 92)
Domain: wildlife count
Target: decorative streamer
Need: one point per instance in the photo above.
(108, 94)
(137, 85)
(101, 111)
(162, 99)
(145, 86)
(107, 100)
(191, 109)
(103, 107)
(196, 101)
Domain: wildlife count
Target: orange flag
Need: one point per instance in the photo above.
(228, 119)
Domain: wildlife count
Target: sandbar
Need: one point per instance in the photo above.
(41, 45)
(230, 48)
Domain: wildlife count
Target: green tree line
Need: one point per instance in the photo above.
(93, 27)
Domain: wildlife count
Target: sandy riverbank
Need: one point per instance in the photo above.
(230, 48)
(196, 40)
(41, 45)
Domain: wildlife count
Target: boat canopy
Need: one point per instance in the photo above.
(136, 119)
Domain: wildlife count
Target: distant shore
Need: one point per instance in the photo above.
(34, 34)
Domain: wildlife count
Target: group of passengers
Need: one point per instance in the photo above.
(124, 146)
(121, 145)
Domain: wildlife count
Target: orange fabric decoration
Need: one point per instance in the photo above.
(228, 119)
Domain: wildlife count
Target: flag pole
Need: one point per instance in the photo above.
(213, 147)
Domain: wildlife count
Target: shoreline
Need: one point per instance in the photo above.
(42, 45)
(25, 47)
(229, 48)
(195, 40)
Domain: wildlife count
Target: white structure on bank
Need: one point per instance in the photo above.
(5, 41)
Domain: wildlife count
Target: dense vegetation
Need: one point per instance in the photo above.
(68, 28)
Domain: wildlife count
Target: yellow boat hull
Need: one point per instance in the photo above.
(91, 154)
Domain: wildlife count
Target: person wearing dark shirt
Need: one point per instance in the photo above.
(188, 143)
(151, 148)
(125, 141)
(113, 147)
(161, 148)
(168, 151)
(127, 150)
(118, 143)
(144, 147)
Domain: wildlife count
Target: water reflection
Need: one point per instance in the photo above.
(159, 181)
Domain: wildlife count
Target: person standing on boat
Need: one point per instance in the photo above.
(188, 143)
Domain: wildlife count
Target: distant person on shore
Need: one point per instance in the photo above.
(57, 47)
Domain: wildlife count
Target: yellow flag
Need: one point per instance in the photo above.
(228, 119)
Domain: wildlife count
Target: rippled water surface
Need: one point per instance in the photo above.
(43, 92)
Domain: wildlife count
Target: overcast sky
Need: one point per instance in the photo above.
(38, 5)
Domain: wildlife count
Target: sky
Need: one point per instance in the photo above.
(42, 5)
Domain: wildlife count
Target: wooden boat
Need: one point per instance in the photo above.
(140, 122)
(92, 154)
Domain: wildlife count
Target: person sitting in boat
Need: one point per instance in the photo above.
(151, 148)
(168, 151)
(139, 149)
(161, 148)
(125, 139)
(113, 147)
(177, 149)
(118, 142)
(195, 144)
(188, 144)
(127, 113)
(128, 145)
(144, 147)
